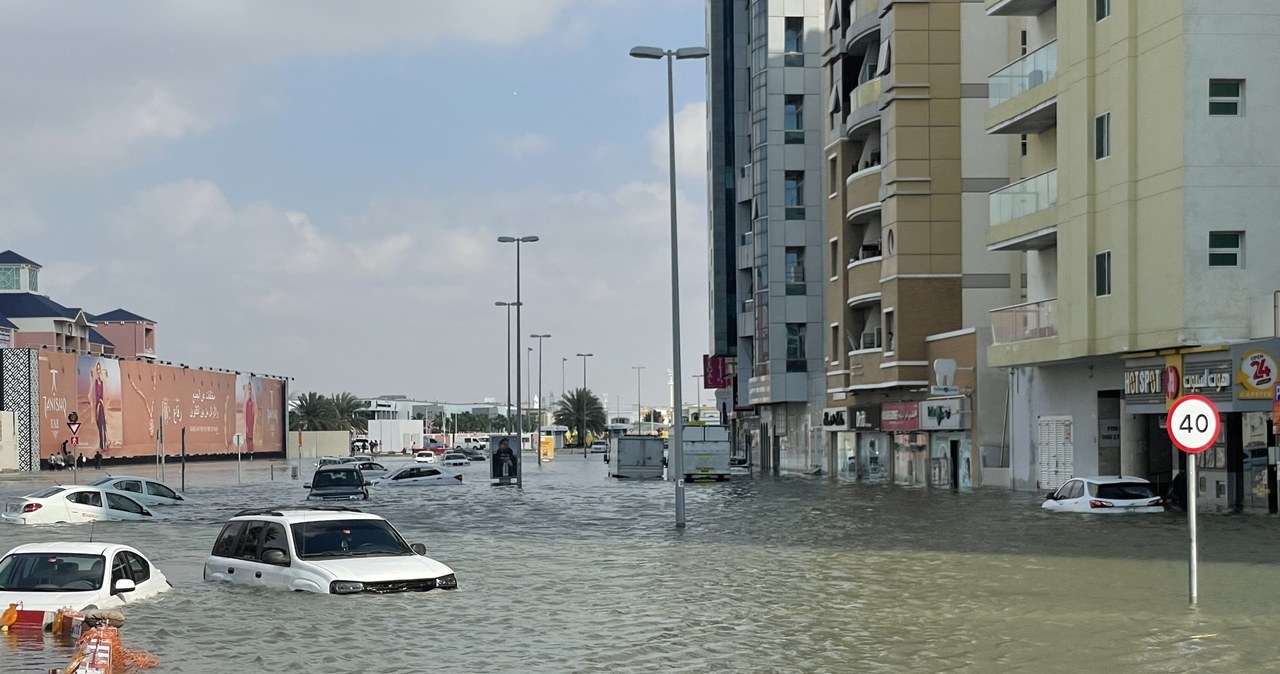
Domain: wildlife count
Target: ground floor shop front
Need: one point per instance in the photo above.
(924, 443)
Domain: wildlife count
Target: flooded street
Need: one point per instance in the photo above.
(579, 572)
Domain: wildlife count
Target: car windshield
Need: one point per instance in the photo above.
(336, 478)
(1122, 491)
(347, 538)
(51, 572)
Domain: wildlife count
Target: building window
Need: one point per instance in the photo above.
(1103, 9)
(793, 194)
(794, 42)
(1022, 145)
(796, 347)
(9, 279)
(1102, 274)
(33, 280)
(833, 177)
(1226, 98)
(1022, 44)
(835, 260)
(889, 241)
(793, 118)
(1102, 136)
(794, 269)
(835, 344)
(1225, 249)
(890, 340)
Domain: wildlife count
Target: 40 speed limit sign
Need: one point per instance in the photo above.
(1193, 424)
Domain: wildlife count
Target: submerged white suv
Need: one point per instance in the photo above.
(326, 549)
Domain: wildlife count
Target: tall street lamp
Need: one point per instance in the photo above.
(508, 305)
(639, 410)
(582, 439)
(697, 392)
(563, 360)
(538, 450)
(519, 426)
(677, 449)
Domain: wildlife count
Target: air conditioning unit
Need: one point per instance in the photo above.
(871, 340)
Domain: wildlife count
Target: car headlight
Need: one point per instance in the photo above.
(449, 582)
(345, 587)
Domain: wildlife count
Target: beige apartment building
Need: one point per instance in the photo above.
(1143, 146)
(911, 282)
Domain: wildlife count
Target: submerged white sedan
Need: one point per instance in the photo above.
(141, 489)
(1110, 494)
(72, 504)
(44, 577)
(414, 475)
(455, 459)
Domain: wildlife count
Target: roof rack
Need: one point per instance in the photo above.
(276, 511)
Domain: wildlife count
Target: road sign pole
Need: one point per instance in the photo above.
(1193, 560)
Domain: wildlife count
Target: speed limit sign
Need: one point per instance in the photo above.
(1193, 424)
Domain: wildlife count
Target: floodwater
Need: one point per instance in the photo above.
(581, 573)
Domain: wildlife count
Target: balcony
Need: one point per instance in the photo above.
(862, 191)
(1021, 322)
(1024, 334)
(863, 18)
(864, 104)
(1023, 96)
(1024, 215)
(1019, 7)
(863, 277)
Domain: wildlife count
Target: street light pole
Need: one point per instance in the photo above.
(697, 392)
(538, 450)
(563, 360)
(677, 448)
(582, 438)
(639, 410)
(508, 305)
(519, 425)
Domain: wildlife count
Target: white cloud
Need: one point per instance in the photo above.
(691, 143)
(99, 85)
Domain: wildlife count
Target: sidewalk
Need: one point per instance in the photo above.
(203, 473)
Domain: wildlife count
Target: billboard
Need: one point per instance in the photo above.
(121, 404)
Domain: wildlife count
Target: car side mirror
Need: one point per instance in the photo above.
(368, 483)
(125, 585)
(419, 549)
(1049, 496)
(306, 485)
(275, 556)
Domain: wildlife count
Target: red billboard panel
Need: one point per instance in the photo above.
(121, 403)
(714, 373)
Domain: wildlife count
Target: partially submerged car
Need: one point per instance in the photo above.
(44, 577)
(141, 489)
(325, 549)
(338, 483)
(63, 505)
(1104, 494)
(416, 474)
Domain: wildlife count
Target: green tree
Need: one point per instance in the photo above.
(581, 410)
(347, 407)
(314, 412)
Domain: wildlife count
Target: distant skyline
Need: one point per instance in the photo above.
(314, 188)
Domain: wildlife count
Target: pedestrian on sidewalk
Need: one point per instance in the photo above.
(97, 460)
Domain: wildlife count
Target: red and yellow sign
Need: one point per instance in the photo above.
(1256, 376)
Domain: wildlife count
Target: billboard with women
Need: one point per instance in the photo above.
(122, 405)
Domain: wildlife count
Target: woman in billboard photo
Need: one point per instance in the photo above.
(249, 414)
(98, 398)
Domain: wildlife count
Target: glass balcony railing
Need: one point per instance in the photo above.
(864, 94)
(1024, 198)
(862, 8)
(1023, 75)
(1033, 320)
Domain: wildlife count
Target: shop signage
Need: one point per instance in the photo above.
(1256, 375)
(835, 419)
(865, 417)
(1211, 376)
(945, 414)
(900, 417)
(1172, 383)
(1144, 381)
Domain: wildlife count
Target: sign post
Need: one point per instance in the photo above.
(239, 440)
(1193, 426)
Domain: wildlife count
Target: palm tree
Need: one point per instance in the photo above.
(314, 412)
(582, 410)
(346, 406)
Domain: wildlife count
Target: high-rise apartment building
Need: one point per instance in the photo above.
(765, 119)
(1144, 152)
(910, 281)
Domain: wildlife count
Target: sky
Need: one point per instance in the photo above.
(314, 188)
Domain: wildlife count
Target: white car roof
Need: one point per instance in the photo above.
(291, 514)
(1112, 479)
(72, 547)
